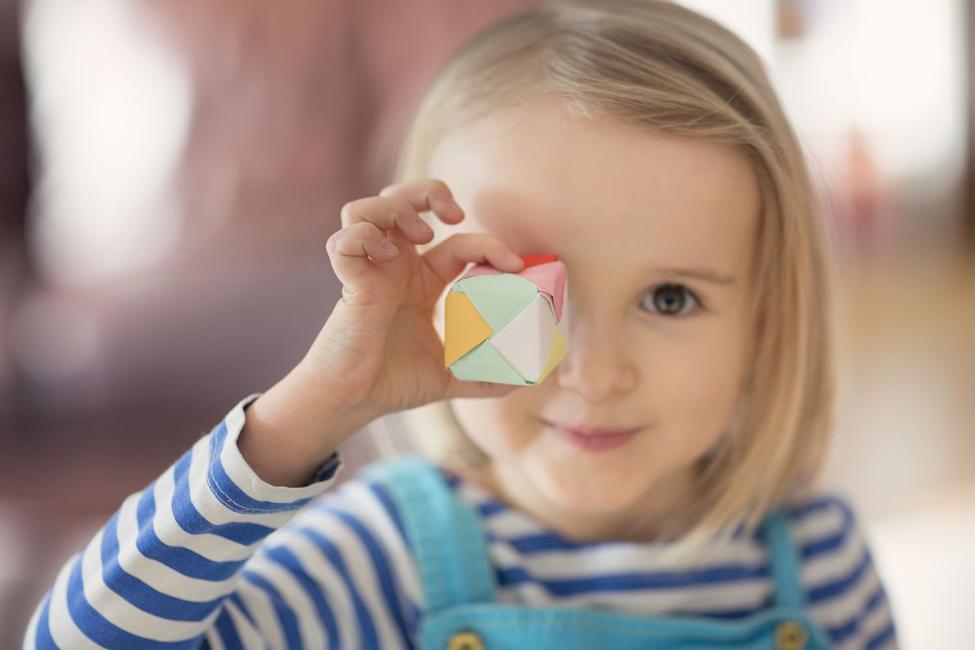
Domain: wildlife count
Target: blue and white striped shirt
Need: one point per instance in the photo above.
(209, 555)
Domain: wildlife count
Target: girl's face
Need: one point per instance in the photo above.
(657, 233)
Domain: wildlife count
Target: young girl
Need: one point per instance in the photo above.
(655, 491)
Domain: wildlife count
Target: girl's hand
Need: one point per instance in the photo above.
(378, 352)
(379, 349)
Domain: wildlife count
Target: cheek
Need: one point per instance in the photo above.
(498, 426)
(700, 382)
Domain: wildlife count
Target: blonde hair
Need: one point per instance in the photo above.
(659, 66)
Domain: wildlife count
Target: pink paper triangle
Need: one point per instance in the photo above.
(549, 278)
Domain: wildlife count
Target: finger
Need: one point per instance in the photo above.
(426, 195)
(350, 267)
(365, 240)
(451, 256)
(388, 213)
(462, 389)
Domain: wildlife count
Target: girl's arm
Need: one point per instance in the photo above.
(169, 567)
(339, 575)
(164, 570)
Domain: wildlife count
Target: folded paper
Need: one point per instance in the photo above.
(504, 327)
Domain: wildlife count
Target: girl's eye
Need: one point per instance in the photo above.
(670, 299)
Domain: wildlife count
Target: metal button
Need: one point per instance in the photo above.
(790, 635)
(465, 641)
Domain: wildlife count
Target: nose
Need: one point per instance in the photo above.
(598, 364)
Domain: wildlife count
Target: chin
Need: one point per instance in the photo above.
(602, 493)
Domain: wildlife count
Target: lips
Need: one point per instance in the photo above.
(593, 438)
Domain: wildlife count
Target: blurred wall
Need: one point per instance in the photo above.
(192, 158)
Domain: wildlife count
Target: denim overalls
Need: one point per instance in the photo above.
(459, 587)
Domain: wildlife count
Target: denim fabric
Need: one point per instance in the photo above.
(459, 588)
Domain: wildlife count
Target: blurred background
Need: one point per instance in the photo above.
(170, 171)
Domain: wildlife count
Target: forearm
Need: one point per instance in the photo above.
(162, 566)
(294, 427)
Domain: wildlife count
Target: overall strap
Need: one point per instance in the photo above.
(444, 533)
(783, 560)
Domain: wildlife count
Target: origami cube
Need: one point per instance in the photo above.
(503, 327)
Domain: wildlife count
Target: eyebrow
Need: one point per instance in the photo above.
(706, 275)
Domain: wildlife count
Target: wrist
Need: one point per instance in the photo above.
(291, 429)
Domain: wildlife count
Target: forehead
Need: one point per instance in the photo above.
(599, 192)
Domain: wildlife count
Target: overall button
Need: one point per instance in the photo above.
(790, 635)
(465, 641)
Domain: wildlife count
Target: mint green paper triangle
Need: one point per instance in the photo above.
(485, 363)
(499, 297)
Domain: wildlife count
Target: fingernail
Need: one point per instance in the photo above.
(390, 247)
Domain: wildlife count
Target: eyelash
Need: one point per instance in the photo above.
(686, 292)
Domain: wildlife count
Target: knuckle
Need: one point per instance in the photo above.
(347, 213)
(401, 206)
(494, 242)
(350, 235)
(361, 209)
(372, 231)
(395, 214)
(370, 235)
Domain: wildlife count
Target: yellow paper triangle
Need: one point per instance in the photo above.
(555, 355)
(465, 327)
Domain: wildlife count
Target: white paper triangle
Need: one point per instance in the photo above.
(525, 342)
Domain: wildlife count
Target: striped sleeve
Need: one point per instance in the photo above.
(339, 575)
(166, 570)
(844, 592)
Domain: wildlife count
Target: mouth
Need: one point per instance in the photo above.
(592, 438)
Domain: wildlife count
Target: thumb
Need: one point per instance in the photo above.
(459, 388)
